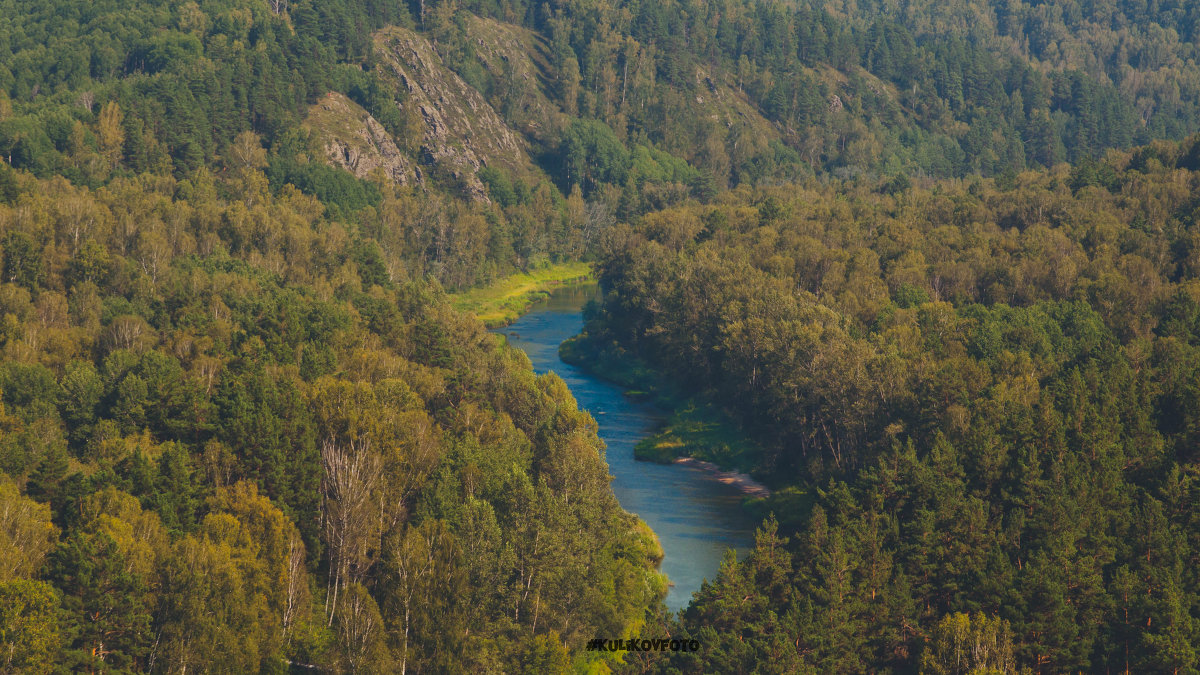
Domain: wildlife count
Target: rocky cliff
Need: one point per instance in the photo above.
(459, 130)
(463, 133)
(357, 142)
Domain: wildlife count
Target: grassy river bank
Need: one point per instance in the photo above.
(505, 300)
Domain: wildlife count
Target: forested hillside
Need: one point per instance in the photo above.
(977, 401)
(239, 442)
(743, 91)
(241, 427)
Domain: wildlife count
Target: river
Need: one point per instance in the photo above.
(695, 517)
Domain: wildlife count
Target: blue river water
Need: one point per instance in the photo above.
(695, 517)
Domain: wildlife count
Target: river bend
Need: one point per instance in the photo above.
(695, 517)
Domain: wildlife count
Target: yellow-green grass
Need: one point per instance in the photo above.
(505, 300)
(696, 428)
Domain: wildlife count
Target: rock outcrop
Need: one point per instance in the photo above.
(463, 133)
(460, 131)
(357, 142)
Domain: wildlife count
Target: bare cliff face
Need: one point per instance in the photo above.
(463, 133)
(459, 132)
(357, 142)
(451, 130)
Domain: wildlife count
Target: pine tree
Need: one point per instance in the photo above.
(105, 600)
(45, 481)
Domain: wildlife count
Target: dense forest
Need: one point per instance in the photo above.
(977, 401)
(744, 92)
(226, 461)
(242, 429)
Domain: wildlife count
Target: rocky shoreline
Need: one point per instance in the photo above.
(741, 481)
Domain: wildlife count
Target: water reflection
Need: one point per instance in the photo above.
(696, 517)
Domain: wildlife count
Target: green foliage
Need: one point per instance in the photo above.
(988, 444)
(546, 654)
(26, 534)
(277, 419)
(46, 481)
(22, 260)
(908, 296)
(339, 191)
(8, 184)
(105, 600)
(29, 630)
(592, 155)
(975, 644)
(500, 187)
(226, 376)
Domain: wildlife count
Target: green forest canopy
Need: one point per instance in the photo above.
(229, 370)
(976, 401)
(246, 453)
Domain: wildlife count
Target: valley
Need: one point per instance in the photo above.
(922, 279)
